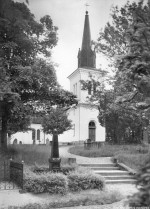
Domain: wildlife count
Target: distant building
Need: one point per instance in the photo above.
(84, 116)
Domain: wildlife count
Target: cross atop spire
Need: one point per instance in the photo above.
(87, 5)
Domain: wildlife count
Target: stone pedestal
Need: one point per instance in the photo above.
(54, 160)
(54, 164)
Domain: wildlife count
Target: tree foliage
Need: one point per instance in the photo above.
(135, 64)
(142, 197)
(125, 42)
(30, 83)
(58, 120)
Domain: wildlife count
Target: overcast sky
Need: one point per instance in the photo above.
(69, 16)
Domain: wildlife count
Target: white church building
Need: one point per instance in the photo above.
(84, 115)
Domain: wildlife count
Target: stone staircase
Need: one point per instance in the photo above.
(112, 173)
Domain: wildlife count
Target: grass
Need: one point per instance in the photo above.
(89, 197)
(108, 150)
(134, 161)
(30, 154)
(134, 156)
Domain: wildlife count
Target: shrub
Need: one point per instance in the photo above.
(53, 183)
(83, 181)
(68, 168)
(142, 197)
(56, 183)
(65, 169)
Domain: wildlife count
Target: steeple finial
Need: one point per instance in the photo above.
(87, 5)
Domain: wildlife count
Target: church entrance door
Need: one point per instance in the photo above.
(92, 129)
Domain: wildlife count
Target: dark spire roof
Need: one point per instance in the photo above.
(86, 57)
(86, 40)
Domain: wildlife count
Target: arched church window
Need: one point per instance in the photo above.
(92, 131)
(92, 124)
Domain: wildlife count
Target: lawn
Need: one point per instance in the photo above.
(134, 156)
(30, 154)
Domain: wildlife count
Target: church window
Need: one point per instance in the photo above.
(92, 131)
(94, 88)
(75, 88)
(73, 129)
(89, 87)
(33, 136)
(38, 135)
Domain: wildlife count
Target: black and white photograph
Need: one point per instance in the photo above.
(75, 104)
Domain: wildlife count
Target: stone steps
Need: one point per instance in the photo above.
(121, 181)
(119, 177)
(98, 165)
(106, 168)
(112, 173)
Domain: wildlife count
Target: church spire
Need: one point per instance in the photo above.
(86, 40)
(86, 57)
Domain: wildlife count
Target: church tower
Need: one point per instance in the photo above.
(84, 116)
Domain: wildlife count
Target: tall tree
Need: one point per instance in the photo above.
(134, 65)
(27, 85)
(121, 43)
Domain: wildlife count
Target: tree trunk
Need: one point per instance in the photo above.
(4, 132)
(4, 121)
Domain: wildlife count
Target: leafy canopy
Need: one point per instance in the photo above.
(56, 120)
(30, 81)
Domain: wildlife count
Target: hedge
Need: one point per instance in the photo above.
(58, 183)
(53, 183)
(83, 181)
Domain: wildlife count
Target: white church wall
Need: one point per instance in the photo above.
(88, 114)
(26, 137)
(73, 134)
(75, 83)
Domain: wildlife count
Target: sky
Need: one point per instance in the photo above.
(68, 16)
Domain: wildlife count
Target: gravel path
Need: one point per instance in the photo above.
(81, 160)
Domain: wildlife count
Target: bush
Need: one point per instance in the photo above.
(83, 181)
(53, 183)
(65, 169)
(58, 183)
(142, 197)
